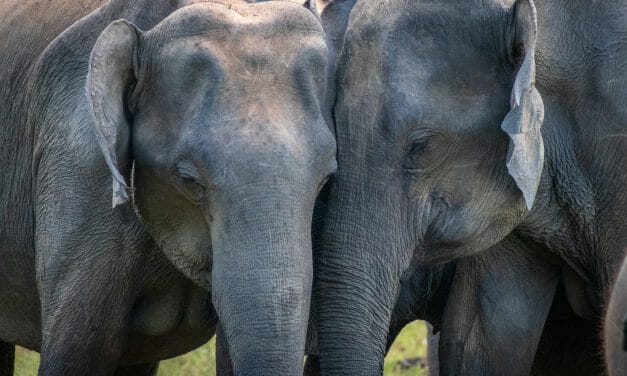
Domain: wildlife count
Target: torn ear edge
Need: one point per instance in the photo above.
(524, 121)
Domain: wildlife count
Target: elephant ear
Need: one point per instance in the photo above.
(523, 122)
(111, 75)
(312, 6)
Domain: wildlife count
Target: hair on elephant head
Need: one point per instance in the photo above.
(438, 118)
(217, 108)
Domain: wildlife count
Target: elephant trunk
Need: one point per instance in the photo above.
(357, 280)
(262, 271)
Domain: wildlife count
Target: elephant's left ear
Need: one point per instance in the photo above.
(110, 77)
(523, 122)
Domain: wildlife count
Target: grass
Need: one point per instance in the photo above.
(410, 344)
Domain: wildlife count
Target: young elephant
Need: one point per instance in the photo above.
(441, 154)
(615, 329)
(213, 117)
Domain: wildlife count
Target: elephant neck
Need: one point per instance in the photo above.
(576, 215)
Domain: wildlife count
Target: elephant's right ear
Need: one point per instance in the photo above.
(111, 75)
(523, 122)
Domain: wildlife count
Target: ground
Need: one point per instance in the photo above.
(407, 354)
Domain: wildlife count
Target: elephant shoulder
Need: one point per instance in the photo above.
(35, 24)
(57, 104)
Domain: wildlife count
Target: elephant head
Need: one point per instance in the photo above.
(211, 123)
(439, 155)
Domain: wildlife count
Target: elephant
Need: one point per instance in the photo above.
(160, 163)
(431, 293)
(615, 326)
(466, 129)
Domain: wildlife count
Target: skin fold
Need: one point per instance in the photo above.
(466, 127)
(210, 142)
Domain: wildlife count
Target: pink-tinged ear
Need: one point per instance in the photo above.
(523, 123)
(111, 75)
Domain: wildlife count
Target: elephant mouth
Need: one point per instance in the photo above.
(197, 266)
(441, 244)
(448, 235)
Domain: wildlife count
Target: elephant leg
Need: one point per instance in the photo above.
(87, 272)
(433, 342)
(570, 345)
(312, 366)
(422, 297)
(85, 321)
(224, 366)
(497, 307)
(615, 326)
(7, 358)
(148, 369)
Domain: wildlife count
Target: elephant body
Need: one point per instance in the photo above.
(467, 127)
(427, 294)
(42, 162)
(165, 105)
(615, 328)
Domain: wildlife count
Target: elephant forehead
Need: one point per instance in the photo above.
(247, 56)
(280, 37)
(436, 65)
(228, 20)
(442, 86)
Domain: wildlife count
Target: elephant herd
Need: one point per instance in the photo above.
(306, 179)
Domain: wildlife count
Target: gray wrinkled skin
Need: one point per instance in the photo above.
(427, 172)
(218, 109)
(615, 329)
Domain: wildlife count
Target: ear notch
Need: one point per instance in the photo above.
(110, 78)
(523, 123)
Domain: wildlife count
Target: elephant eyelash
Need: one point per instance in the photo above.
(189, 179)
(426, 150)
(187, 171)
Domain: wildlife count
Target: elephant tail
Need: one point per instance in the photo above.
(7, 358)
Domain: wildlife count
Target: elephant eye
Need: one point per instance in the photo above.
(426, 151)
(189, 180)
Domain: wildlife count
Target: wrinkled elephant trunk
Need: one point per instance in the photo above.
(262, 275)
(357, 279)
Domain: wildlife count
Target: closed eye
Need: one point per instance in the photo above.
(190, 180)
(426, 150)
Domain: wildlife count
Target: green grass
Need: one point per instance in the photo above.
(201, 361)
(410, 344)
